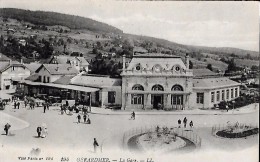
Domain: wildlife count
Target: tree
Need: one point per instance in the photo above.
(254, 68)
(209, 66)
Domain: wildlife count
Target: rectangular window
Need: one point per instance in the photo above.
(232, 93)
(48, 79)
(137, 99)
(212, 97)
(40, 78)
(200, 98)
(218, 95)
(111, 97)
(236, 92)
(223, 95)
(227, 94)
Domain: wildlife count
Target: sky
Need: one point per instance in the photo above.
(202, 23)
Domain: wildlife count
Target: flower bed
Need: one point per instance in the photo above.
(237, 134)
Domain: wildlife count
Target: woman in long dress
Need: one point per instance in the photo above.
(44, 130)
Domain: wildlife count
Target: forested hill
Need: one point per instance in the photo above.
(53, 18)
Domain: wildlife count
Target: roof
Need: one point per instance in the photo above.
(4, 58)
(63, 80)
(83, 60)
(213, 83)
(148, 61)
(60, 69)
(72, 87)
(155, 55)
(63, 59)
(203, 73)
(33, 66)
(95, 81)
(4, 65)
(33, 77)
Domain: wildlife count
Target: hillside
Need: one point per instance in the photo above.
(53, 18)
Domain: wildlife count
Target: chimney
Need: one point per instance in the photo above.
(187, 60)
(124, 63)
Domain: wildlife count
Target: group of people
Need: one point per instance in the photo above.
(85, 118)
(42, 131)
(185, 121)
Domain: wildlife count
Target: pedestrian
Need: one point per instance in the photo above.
(47, 104)
(95, 144)
(133, 115)
(25, 103)
(227, 107)
(191, 124)
(15, 105)
(85, 118)
(44, 107)
(179, 123)
(18, 105)
(6, 128)
(185, 122)
(88, 121)
(39, 131)
(79, 117)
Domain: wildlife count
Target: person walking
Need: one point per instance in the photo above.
(78, 117)
(185, 122)
(39, 131)
(15, 105)
(227, 107)
(133, 115)
(6, 128)
(85, 118)
(25, 103)
(191, 124)
(95, 144)
(179, 123)
(44, 107)
(18, 105)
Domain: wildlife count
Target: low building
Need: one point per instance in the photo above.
(11, 72)
(80, 63)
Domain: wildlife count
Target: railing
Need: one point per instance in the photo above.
(220, 127)
(188, 134)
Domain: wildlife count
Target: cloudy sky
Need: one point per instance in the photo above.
(216, 24)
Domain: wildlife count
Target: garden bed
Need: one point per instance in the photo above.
(227, 134)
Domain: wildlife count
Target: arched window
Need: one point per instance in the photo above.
(137, 99)
(157, 87)
(177, 88)
(138, 87)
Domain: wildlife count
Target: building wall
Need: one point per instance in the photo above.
(148, 82)
(207, 96)
(45, 73)
(103, 96)
(10, 73)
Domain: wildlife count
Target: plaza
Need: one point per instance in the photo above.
(66, 136)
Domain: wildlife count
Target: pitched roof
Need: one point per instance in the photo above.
(4, 65)
(60, 69)
(95, 81)
(65, 80)
(4, 58)
(33, 77)
(83, 60)
(212, 83)
(203, 73)
(33, 66)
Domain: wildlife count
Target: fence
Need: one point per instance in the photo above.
(188, 134)
(220, 127)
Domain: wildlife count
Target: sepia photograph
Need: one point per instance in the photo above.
(129, 81)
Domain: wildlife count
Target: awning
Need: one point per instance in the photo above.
(71, 87)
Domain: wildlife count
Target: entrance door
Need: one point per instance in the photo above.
(157, 101)
(177, 102)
